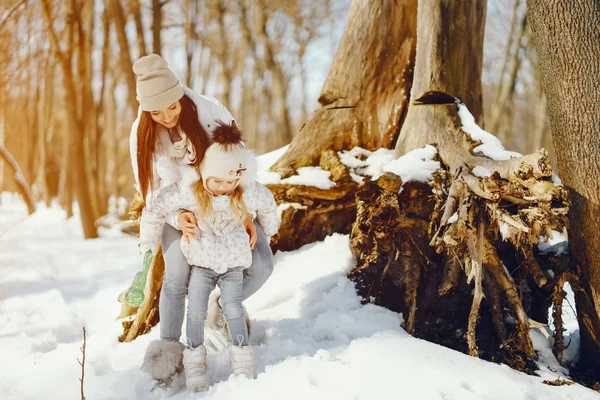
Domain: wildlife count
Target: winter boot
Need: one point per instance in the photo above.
(242, 360)
(216, 328)
(194, 362)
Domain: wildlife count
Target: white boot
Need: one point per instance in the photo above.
(194, 362)
(242, 360)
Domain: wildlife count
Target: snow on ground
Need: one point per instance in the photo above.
(313, 338)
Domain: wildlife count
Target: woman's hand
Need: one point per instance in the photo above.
(187, 223)
(251, 230)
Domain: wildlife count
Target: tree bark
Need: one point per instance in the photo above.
(566, 36)
(365, 96)
(449, 59)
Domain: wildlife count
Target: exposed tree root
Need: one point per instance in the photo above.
(515, 204)
(310, 214)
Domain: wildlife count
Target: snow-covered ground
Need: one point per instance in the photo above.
(313, 338)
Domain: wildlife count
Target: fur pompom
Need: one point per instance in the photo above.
(227, 135)
(163, 359)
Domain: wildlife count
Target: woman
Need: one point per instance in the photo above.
(169, 137)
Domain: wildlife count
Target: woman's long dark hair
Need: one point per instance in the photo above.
(147, 138)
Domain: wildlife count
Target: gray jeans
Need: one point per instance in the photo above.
(177, 275)
(202, 282)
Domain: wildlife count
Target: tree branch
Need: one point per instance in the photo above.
(82, 363)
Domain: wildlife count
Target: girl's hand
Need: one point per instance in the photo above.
(251, 230)
(187, 223)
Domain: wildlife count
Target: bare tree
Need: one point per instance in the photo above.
(79, 124)
(126, 64)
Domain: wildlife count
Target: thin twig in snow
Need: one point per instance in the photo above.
(82, 363)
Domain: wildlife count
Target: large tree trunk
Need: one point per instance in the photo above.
(365, 96)
(566, 36)
(449, 59)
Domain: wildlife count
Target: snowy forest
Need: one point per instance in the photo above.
(435, 167)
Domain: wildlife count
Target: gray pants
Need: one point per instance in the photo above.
(202, 282)
(177, 275)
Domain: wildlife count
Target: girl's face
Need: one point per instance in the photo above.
(167, 117)
(218, 186)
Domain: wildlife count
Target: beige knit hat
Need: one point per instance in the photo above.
(225, 158)
(157, 85)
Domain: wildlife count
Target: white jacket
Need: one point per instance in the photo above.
(169, 170)
(221, 242)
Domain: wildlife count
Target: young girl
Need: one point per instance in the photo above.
(221, 199)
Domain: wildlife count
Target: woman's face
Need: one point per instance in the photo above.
(220, 186)
(167, 117)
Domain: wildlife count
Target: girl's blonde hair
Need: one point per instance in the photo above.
(204, 199)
